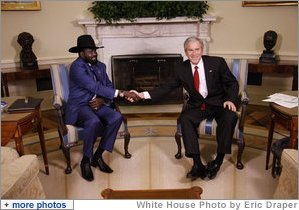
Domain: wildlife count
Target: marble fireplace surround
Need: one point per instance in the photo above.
(146, 36)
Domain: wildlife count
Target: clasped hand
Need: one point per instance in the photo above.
(131, 96)
(96, 103)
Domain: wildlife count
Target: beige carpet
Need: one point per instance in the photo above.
(153, 166)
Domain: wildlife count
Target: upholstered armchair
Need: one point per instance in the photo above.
(69, 134)
(287, 187)
(208, 127)
(19, 176)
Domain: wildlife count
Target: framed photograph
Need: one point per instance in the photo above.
(268, 3)
(20, 5)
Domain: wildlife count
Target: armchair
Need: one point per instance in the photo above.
(70, 135)
(208, 126)
(287, 187)
(19, 176)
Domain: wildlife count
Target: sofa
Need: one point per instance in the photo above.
(19, 176)
(287, 187)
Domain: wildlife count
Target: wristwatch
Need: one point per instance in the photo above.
(121, 93)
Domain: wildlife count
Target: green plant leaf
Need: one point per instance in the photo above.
(114, 11)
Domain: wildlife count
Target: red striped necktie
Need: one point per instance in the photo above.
(197, 83)
(196, 78)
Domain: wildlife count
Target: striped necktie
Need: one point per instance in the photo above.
(197, 85)
(196, 78)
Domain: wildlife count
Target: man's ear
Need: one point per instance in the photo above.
(81, 54)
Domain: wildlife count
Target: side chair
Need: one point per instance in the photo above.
(208, 127)
(69, 134)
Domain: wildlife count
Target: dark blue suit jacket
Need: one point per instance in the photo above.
(83, 87)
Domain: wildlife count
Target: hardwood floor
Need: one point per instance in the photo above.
(257, 115)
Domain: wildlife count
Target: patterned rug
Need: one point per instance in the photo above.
(153, 166)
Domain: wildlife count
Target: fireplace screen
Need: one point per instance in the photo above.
(145, 72)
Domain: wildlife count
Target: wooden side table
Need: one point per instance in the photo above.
(281, 67)
(15, 74)
(18, 124)
(286, 117)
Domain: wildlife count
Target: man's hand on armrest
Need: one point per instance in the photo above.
(96, 103)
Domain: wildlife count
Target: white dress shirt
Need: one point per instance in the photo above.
(203, 90)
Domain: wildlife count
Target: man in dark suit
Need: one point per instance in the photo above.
(89, 105)
(213, 93)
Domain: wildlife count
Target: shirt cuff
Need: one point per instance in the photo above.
(116, 93)
(146, 95)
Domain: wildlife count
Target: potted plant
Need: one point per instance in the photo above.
(114, 11)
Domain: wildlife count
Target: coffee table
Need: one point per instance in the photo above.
(188, 193)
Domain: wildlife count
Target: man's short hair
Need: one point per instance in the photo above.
(193, 39)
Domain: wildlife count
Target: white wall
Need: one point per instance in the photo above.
(238, 31)
(54, 28)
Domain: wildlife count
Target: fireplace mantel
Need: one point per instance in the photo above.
(146, 36)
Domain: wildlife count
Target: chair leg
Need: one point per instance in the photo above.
(178, 142)
(241, 145)
(66, 152)
(127, 139)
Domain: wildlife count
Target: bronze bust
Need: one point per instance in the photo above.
(268, 55)
(28, 58)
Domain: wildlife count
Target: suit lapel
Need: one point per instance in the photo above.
(189, 75)
(208, 72)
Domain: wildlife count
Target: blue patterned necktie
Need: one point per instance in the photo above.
(94, 74)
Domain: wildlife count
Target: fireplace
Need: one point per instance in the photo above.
(148, 41)
(145, 72)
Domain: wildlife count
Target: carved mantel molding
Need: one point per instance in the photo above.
(150, 27)
(146, 35)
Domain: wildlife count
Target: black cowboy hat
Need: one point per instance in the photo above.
(84, 41)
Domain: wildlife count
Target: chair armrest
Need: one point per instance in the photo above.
(244, 100)
(58, 106)
(125, 120)
(115, 106)
(8, 155)
(57, 102)
(244, 97)
(18, 174)
(185, 100)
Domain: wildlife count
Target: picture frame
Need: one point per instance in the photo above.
(268, 3)
(20, 5)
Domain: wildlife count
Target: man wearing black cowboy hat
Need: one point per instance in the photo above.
(88, 105)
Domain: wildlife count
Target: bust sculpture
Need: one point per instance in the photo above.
(268, 55)
(28, 58)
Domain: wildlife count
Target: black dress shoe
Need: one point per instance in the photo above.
(196, 172)
(102, 165)
(86, 171)
(212, 169)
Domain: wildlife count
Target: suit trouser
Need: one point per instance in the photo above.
(104, 122)
(226, 123)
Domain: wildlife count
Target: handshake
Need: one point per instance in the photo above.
(132, 95)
